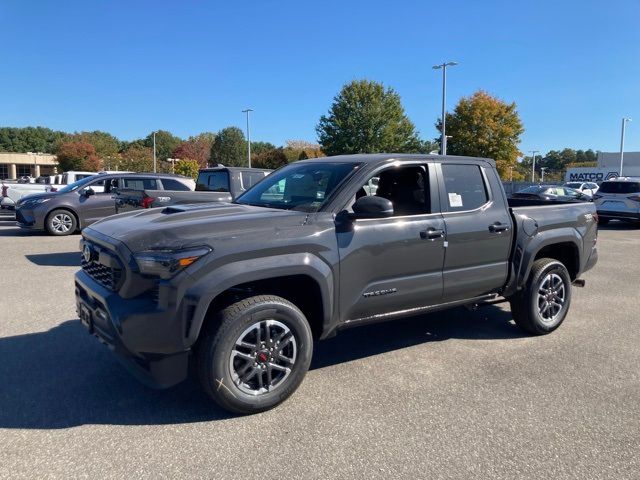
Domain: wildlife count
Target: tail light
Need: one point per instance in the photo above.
(147, 201)
(4, 190)
(595, 217)
(53, 189)
(635, 198)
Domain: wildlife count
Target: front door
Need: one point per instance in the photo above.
(394, 264)
(99, 205)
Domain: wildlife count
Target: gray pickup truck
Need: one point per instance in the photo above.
(217, 184)
(243, 289)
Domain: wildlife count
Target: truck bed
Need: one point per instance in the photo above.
(127, 199)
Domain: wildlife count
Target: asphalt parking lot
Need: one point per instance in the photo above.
(459, 394)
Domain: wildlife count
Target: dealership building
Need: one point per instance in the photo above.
(16, 165)
(608, 167)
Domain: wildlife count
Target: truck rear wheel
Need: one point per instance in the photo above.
(544, 303)
(255, 354)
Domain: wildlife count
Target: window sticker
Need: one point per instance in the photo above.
(455, 200)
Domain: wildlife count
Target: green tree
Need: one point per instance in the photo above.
(137, 158)
(188, 168)
(29, 139)
(259, 147)
(485, 126)
(366, 117)
(166, 143)
(274, 158)
(230, 148)
(78, 156)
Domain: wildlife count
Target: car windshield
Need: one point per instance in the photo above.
(304, 186)
(76, 185)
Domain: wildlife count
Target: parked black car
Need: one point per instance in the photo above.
(552, 193)
(88, 200)
(242, 289)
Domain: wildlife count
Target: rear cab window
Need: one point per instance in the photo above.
(249, 179)
(465, 187)
(619, 187)
(174, 185)
(215, 181)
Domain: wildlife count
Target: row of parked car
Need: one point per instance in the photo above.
(615, 199)
(64, 209)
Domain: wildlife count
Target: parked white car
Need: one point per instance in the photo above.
(588, 188)
(618, 199)
(11, 192)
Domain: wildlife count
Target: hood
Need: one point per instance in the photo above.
(37, 196)
(189, 225)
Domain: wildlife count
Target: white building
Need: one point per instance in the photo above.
(608, 167)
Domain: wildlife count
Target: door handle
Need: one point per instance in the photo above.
(498, 227)
(432, 234)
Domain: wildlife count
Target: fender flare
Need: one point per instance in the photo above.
(545, 239)
(204, 291)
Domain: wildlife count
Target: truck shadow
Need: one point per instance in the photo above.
(66, 259)
(63, 378)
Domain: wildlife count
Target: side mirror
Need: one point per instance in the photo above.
(88, 192)
(372, 207)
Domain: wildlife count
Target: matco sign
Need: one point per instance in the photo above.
(586, 174)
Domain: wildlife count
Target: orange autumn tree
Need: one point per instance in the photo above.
(485, 126)
(78, 156)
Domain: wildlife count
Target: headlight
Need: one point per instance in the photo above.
(167, 263)
(34, 202)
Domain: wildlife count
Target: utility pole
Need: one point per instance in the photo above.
(154, 152)
(443, 66)
(533, 164)
(247, 111)
(624, 123)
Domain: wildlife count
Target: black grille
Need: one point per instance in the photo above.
(108, 277)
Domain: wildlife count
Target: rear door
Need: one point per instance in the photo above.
(478, 230)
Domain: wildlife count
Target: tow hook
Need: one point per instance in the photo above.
(579, 282)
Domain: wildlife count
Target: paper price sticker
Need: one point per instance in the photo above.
(455, 200)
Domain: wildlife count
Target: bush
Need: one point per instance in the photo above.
(188, 168)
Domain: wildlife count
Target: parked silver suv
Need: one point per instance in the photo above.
(618, 199)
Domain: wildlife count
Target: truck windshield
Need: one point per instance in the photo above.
(301, 186)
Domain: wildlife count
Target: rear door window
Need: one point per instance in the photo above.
(619, 187)
(216, 181)
(249, 179)
(464, 187)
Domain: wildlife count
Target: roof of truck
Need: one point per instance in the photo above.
(380, 157)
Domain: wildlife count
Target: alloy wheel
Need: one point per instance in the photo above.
(61, 222)
(551, 297)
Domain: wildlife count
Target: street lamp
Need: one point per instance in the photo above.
(542, 169)
(247, 111)
(624, 123)
(173, 163)
(154, 152)
(443, 66)
(533, 164)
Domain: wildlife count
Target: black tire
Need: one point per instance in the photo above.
(603, 221)
(218, 360)
(61, 222)
(527, 307)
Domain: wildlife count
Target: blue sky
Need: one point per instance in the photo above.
(572, 67)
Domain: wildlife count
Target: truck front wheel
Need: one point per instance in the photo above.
(255, 354)
(544, 303)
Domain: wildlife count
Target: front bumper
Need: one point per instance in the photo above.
(148, 340)
(28, 218)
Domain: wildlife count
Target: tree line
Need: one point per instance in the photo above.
(364, 117)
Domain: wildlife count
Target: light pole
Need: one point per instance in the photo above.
(443, 66)
(247, 111)
(154, 152)
(533, 164)
(624, 124)
(173, 163)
